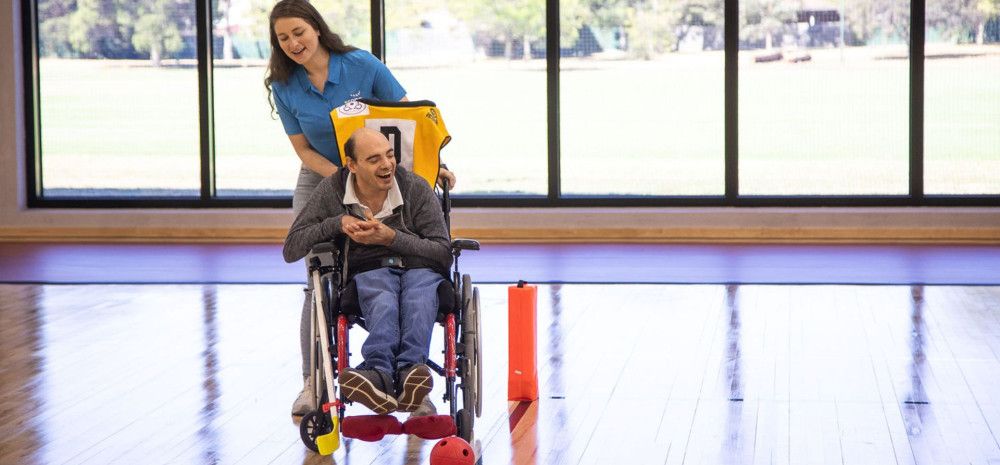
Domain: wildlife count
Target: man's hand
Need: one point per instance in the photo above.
(370, 232)
(443, 173)
(347, 222)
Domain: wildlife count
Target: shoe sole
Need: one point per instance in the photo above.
(416, 386)
(359, 389)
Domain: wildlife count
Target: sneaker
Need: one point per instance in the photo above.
(368, 388)
(306, 402)
(426, 409)
(415, 383)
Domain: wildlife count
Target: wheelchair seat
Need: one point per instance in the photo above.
(350, 306)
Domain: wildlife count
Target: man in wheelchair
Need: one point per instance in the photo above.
(399, 253)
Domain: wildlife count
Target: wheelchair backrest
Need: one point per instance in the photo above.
(415, 129)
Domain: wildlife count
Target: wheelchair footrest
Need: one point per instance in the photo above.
(370, 427)
(430, 427)
(373, 428)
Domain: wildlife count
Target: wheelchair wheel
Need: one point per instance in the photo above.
(466, 291)
(478, 360)
(472, 376)
(464, 423)
(314, 424)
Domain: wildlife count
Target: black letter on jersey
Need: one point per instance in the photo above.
(396, 138)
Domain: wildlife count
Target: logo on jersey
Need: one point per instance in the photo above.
(352, 108)
(432, 115)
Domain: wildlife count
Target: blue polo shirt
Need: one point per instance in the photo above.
(305, 110)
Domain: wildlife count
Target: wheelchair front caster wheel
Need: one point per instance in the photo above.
(314, 424)
(464, 423)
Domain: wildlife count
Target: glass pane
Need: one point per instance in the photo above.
(469, 58)
(642, 98)
(119, 98)
(252, 153)
(962, 98)
(823, 97)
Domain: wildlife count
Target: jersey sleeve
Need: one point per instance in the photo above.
(439, 127)
(288, 120)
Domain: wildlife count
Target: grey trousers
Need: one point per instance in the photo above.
(307, 182)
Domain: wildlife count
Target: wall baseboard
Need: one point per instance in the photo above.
(538, 235)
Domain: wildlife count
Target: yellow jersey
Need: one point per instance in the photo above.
(415, 130)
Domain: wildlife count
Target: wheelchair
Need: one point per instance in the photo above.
(336, 311)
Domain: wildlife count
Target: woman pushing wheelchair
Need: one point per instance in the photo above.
(311, 72)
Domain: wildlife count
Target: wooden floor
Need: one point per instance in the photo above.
(630, 374)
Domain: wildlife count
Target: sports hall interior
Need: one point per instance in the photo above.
(826, 331)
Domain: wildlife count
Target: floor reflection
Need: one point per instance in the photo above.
(916, 409)
(732, 440)
(208, 438)
(21, 342)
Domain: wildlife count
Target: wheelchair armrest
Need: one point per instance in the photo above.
(465, 244)
(323, 247)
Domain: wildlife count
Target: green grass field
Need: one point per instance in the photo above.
(829, 126)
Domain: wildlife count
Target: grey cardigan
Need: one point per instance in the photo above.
(422, 239)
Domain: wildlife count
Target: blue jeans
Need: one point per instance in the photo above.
(399, 307)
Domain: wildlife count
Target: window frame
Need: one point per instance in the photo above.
(208, 197)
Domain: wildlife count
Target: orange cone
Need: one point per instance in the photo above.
(522, 375)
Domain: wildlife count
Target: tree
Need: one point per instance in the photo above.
(53, 23)
(650, 28)
(988, 9)
(653, 27)
(952, 18)
(350, 19)
(95, 32)
(510, 20)
(870, 19)
(224, 9)
(763, 19)
(158, 25)
(700, 13)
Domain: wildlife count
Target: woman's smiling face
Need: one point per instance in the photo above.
(298, 39)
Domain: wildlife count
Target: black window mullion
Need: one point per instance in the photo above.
(203, 18)
(731, 103)
(32, 107)
(378, 28)
(552, 90)
(917, 27)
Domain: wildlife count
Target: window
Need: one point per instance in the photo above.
(161, 103)
(642, 98)
(253, 156)
(119, 99)
(823, 98)
(469, 58)
(962, 98)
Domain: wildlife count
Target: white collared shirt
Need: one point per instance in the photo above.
(393, 200)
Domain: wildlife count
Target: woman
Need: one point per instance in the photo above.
(313, 73)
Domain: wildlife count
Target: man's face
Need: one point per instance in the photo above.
(374, 161)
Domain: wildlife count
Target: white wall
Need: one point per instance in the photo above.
(677, 224)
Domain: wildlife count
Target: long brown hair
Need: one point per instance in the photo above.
(280, 67)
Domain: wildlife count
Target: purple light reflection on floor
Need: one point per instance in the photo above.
(500, 263)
